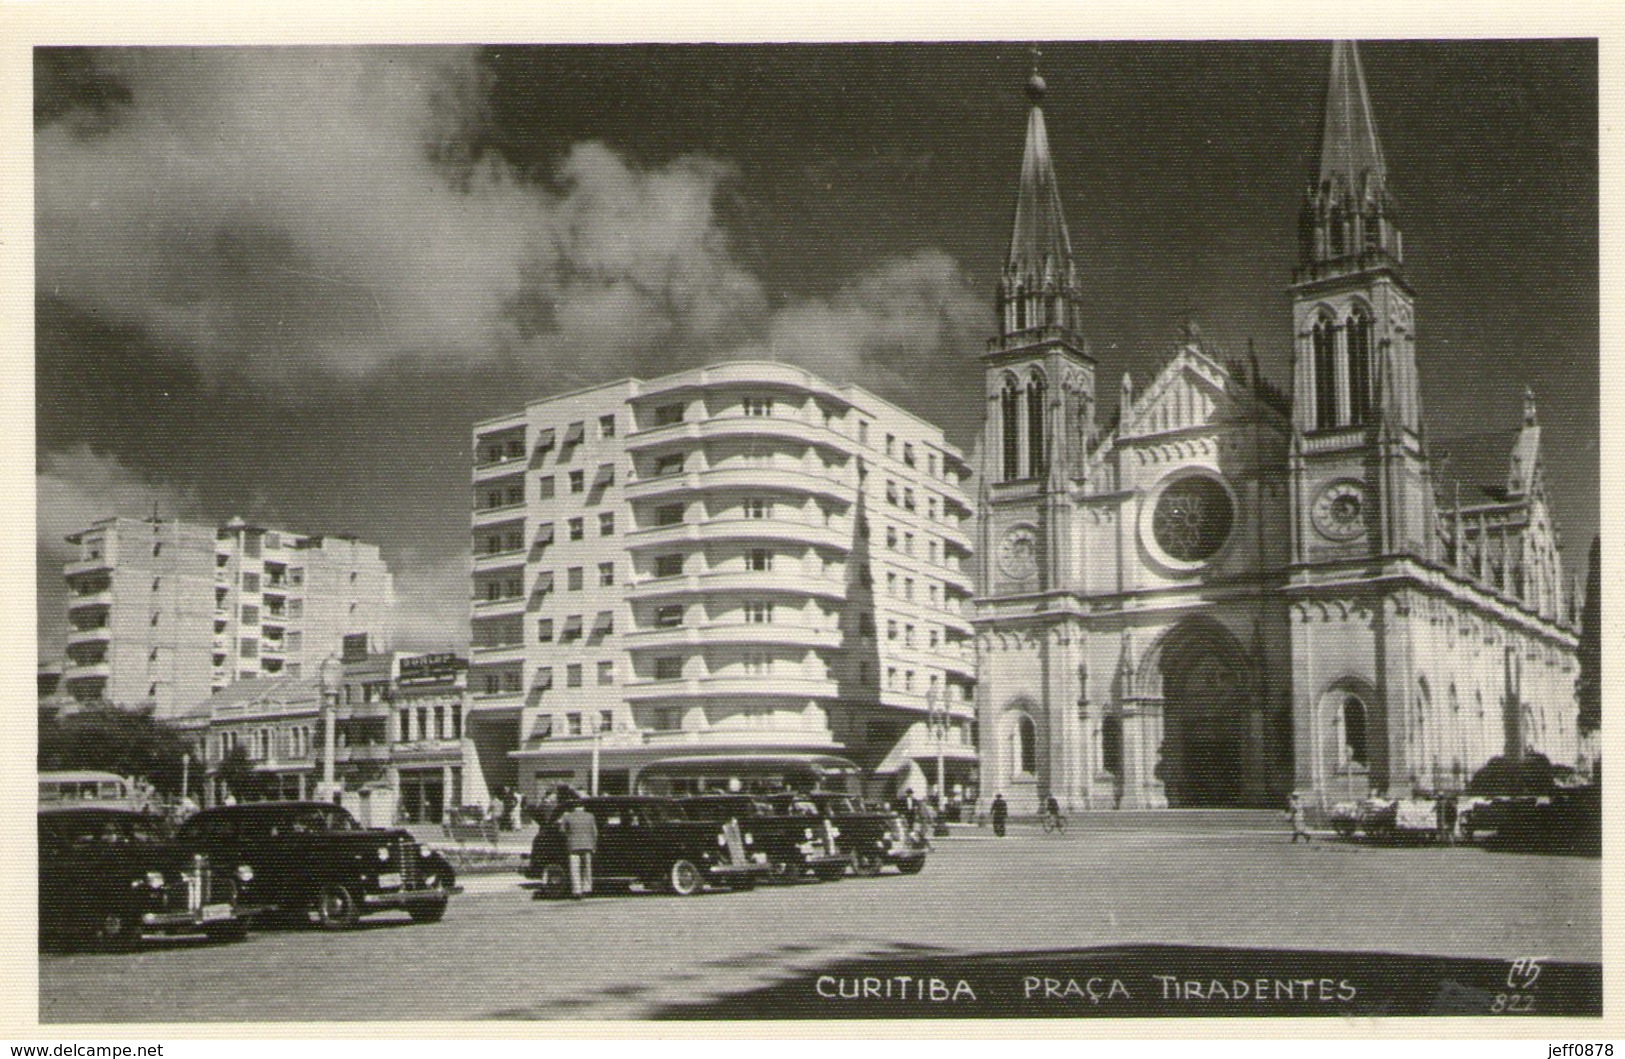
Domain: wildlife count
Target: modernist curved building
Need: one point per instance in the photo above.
(741, 559)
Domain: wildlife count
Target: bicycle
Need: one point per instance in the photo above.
(1054, 823)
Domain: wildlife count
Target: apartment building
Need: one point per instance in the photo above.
(164, 613)
(736, 560)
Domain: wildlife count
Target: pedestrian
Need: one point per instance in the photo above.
(1445, 811)
(1295, 813)
(1001, 814)
(580, 830)
(911, 808)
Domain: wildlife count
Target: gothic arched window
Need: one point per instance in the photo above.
(1024, 747)
(1010, 425)
(1324, 341)
(1359, 332)
(1354, 731)
(1036, 397)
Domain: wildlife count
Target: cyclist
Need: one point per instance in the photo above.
(1052, 813)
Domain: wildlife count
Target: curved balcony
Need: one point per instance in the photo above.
(101, 634)
(769, 581)
(746, 529)
(103, 598)
(500, 468)
(499, 560)
(744, 479)
(508, 652)
(765, 686)
(486, 515)
(89, 671)
(499, 608)
(87, 566)
(723, 634)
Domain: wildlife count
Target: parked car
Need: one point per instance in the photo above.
(110, 876)
(872, 838)
(652, 842)
(796, 843)
(314, 863)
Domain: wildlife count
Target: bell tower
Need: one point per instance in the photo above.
(1359, 470)
(1040, 384)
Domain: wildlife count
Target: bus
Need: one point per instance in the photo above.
(89, 788)
(750, 774)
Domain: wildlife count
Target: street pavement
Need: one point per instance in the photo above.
(501, 955)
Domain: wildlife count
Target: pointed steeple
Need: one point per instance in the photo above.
(1039, 285)
(1348, 211)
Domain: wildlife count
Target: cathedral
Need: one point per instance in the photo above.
(1228, 592)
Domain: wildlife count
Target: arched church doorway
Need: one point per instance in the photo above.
(1207, 751)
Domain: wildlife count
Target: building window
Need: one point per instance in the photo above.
(544, 487)
(573, 579)
(759, 559)
(863, 432)
(1324, 341)
(516, 495)
(757, 663)
(891, 492)
(544, 630)
(606, 673)
(908, 500)
(668, 414)
(755, 507)
(578, 481)
(578, 529)
(669, 515)
(891, 537)
(1010, 427)
(1037, 449)
(908, 454)
(606, 523)
(669, 667)
(606, 426)
(1359, 340)
(758, 406)
(891, 630)
(606, 573)
(891, 445)
(572, 722)
(251, 582)
(908, 544)
(572, 675)
(251, 615)
(669, 566)
(908, 589)
(1024, 748)
(908, 635)
(669, 616)
(1354, 731)
(757, 613)
(249, 649)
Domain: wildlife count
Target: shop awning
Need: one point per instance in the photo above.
(605, 623)
(544, 440)
(544, 582)
(572, 627)
(606, 474)
(544, 534)
(544, 678)
(574, 433)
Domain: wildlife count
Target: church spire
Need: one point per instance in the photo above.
(1348, 213)
(1039, 285)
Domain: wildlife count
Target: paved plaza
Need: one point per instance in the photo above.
(500, 954)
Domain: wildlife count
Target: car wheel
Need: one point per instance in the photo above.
(552, 882)
(117, 932)
(912, 867)
(684, 878)
(429, 912)
(225, 933)
(336, 908)
(866, 863)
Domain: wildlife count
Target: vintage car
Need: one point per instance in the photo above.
(111, 876)
(651, 842)
(796, 843)
(873, 838)
(314, 863)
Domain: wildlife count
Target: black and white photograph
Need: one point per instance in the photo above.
(1058, 528)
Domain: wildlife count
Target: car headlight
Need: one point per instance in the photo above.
(806, 832)
(748, 839)
(155, 880)
(245, 873)
(424, 851)
(383, 854)
(431, 880)
(722, 839)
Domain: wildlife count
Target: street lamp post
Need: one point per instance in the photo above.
(332, 678)
(937, 711)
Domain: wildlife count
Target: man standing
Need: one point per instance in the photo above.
(580, 830)
(1001, 814)
(1295, 813)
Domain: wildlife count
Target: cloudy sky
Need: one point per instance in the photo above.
(281, 283)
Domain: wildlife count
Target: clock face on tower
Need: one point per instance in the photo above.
(1018, 552)
(1339, 510)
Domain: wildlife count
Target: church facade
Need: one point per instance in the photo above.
(1230, 592)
